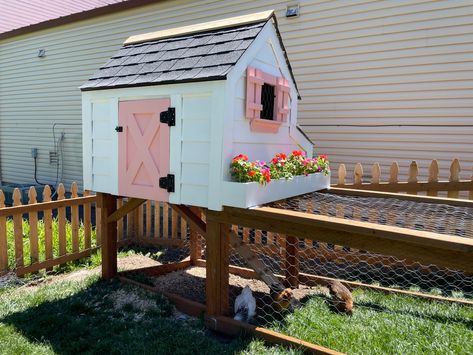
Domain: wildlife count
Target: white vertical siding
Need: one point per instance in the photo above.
(356, 62)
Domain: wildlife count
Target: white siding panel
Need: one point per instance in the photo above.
(356, 62)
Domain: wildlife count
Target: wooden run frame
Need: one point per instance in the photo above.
(425, 247)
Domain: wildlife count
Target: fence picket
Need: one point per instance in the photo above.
(61, 216)
(165, 220)
(130, 221)
(454, 177)
(148, 218)
(394, 173)
(433, 176)
(48, 226)
(342, 173)
(358, 174)
(18, 230)
(413, 173)
(157, 219)
(33, 222)
(375, 173)
(470, 195)
(120, 221)
(88, 224)
(75, 220)
(3, 238)
(173, 224)
(141, 225)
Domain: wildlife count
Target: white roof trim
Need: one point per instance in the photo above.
(200, 27)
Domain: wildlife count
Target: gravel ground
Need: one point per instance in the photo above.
(190, 283)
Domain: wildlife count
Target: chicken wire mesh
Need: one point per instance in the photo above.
(311, 268)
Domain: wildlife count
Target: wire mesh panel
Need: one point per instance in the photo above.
(337, 291)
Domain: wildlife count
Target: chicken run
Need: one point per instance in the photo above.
(259, 265)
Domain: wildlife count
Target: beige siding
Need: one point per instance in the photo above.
(356, 62)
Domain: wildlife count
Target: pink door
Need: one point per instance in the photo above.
(143, 149)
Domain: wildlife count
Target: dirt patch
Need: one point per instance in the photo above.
(190, 283)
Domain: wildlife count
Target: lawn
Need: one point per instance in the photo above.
(94, 316)
(383, 324)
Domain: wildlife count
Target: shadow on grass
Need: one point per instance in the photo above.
(107, 317)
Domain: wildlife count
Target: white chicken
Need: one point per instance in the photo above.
(245, 306)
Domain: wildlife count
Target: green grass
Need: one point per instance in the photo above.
(383, 324)
(94, 316)
(41, 243)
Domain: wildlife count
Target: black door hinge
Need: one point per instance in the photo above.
(168, 116)
(119, 129)
(167, 182)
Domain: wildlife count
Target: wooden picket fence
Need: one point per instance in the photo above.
(157, 224)
(454, 187)
(31, 260)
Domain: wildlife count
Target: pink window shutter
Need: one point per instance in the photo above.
(254, 82)
(282, 99)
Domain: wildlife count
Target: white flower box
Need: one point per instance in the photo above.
(250, 194)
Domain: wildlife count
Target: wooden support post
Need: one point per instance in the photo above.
(195, 240)
(108, 204)
(217, 280)
(291, 267)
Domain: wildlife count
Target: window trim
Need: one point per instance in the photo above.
(254, 82)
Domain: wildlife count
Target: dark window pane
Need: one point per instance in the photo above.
(267, 100)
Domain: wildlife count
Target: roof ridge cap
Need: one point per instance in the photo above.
(201, 27)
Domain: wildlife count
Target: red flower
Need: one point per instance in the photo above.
(298, 153)
(274, 160)
(323, 157)
(240, 157)
(252, 173)
(281, 156)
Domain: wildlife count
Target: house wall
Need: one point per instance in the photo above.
(195, 140)
(355, 62)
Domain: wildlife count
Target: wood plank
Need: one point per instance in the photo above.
(61, 221)
(157, 219)
(217, 277)
(177, 243)
(358, 174)
(131, 205)
(3, 238)
(108, 205)
(165, 220)
(75, 220)
(87, 223)
(342, 173)
(425, 247)
(454, 177)
(49, 264)
(18, 230)
(33, 222)
(192, 218)
(412, 175)
(41, 206)
(48, 227)
(291, 262)
(433, 176)
(120, 222)
(148, 209)
(461, 185)
(158, 269)
(141, 224)
(173, 224)
(416, 198)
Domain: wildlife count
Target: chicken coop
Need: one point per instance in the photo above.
(163, 118)
(162, 121)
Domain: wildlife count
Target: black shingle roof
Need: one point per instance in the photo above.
(201, 56)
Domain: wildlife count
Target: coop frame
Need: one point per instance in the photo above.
(424, 247)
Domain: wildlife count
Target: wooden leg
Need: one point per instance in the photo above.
(195, 241)
(217, 289)
(292, 262)
(108, 204)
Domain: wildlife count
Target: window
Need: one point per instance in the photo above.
(267, 100)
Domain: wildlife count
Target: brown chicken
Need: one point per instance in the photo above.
(342, 300)
(282, 300)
